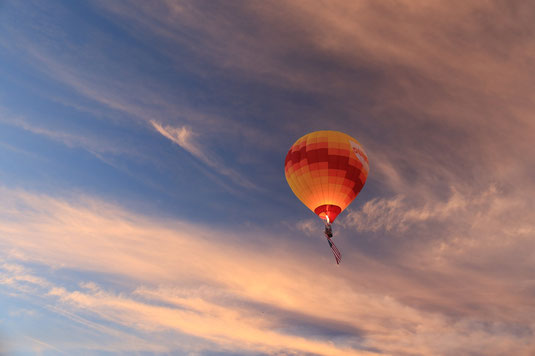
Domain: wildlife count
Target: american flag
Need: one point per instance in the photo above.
(336, 253)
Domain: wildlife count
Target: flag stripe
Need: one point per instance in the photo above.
(336, 253)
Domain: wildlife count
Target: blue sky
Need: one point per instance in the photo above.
(144, 208)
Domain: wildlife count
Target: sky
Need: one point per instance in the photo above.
(144, 208)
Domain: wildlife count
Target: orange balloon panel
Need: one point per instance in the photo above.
(326, 170)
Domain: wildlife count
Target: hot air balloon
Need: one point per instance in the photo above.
(326, 171)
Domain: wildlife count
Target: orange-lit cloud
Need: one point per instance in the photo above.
(438, 260)
(241, 296)
(91, 237)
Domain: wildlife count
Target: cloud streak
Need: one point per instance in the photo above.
(189, 310)
(237, 296)
(185, 138)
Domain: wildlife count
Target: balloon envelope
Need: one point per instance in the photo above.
(326, 170)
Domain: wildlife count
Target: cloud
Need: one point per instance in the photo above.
(437, 261)
(118, 94)
(401, 212)
(230, 294)
(309, 226)
(184, 137)
(126, 94)
(432, 92)
(213, 264)
(41, 345)
(95, 145)
(194, 316)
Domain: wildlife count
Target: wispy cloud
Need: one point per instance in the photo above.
(93, 144)
(185, 138)
(401, 212)
(431, 90)
(122, 100)
(41, 346)
(238, 296)
(191, 310)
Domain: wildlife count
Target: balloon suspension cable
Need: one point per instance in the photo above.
(329, 235)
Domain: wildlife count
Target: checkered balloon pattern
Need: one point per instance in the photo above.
(326, 170)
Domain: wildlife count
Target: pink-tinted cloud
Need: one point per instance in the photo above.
(439, 262)
(447, 87)
(240, 298)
